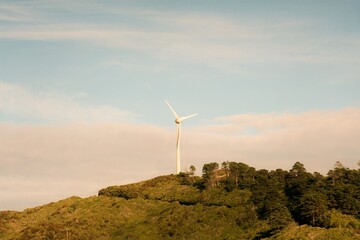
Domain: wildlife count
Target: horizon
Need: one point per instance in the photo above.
(83, 85)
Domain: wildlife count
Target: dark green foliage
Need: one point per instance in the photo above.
(313, 206)
(278, 216)
(343, 187)
(299, 183)
(346, 198)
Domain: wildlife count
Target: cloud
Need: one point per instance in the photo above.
(317, 138)
(42, 163)
(16, 100)
(194, 37)
(15, 13)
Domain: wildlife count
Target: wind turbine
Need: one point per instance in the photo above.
(178, 121)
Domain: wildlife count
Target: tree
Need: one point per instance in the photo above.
(337, 173)
(298, 182)
(242, 174)
(278, 216)
(192, 170)
(209, 174)
(313, 207)
(343, 187)
(297, 169)
(347, 199)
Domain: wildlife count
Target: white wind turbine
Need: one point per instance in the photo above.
(178, 121)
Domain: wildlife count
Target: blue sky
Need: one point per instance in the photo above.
(260, 74)
(217, 58)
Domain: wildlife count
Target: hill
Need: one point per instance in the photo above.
(218, 205)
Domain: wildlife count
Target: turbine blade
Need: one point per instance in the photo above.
(175, 114)
(190, 116)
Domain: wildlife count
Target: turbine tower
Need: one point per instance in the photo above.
(178, 121)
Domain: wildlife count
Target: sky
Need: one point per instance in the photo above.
(83, 87)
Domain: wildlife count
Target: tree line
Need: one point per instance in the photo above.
(282, 196)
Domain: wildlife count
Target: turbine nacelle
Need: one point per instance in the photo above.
(179, 120)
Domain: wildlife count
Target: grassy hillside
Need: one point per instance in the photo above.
(153, 214)
(167, 207)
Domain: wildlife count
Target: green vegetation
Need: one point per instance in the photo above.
(229, 201)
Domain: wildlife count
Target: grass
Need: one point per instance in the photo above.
(165, 207)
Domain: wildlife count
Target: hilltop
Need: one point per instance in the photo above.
(233, 201)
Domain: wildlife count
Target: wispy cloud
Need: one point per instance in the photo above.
(47, 106)
(197, 37)
(15, 13)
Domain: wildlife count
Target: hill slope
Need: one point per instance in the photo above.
(167, 207)
(157, 214)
